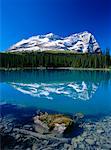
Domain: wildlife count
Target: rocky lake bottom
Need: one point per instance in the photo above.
(18, 133)
(55, 110)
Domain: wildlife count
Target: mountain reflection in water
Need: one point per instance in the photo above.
(62, 91)
(74, 90)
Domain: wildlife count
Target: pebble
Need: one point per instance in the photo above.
(99, 131)
(84, 134)
(28, 149)
(17, 136)
(46, 142)
(107, 146)
(81, 146)
(75, 145)
(77, 140)
(27, 126)
(71, 148)
(90, 141)
(66, 146)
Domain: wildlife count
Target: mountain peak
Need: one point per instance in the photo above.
(50, 34)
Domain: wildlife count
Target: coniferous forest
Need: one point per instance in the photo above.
(54, 59)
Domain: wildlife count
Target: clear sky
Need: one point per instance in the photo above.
(23, 18)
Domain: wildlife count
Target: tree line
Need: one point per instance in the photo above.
(54, 59)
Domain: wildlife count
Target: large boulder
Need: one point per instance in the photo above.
(57, 123)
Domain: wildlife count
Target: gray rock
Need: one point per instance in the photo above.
(107, 146)
(75, 145)
(45, 142)
(82, 146)
(27, 126)
(28, 149)
(17, 147)
(90, 141)
(66, 146)
(17, 136)
(77, 117)
(41, 129)
(99, 131)
(77, 140)
(71, 148)
(60, 128)
(84, 134)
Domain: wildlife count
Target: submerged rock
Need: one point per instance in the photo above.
(40, 126)
(56, 123)
(59, 128)
(99, 131)
(77, 118)
(90, 141)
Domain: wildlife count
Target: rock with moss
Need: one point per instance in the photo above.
(57, 123)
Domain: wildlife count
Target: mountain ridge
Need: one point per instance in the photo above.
(83, 42)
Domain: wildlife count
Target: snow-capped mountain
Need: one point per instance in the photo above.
(80, 42)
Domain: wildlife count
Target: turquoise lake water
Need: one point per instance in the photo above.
(61, 91)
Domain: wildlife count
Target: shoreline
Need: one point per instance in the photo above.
(55, 68)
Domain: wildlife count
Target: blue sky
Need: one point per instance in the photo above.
(23, 18)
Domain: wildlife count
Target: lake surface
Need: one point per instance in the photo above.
(62, 91)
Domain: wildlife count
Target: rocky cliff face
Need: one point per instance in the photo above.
(79, 43)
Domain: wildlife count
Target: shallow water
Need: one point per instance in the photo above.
(61, 91)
